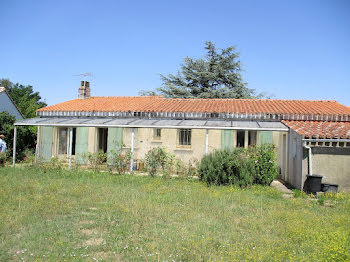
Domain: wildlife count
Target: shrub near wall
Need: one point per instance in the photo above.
(242, 167)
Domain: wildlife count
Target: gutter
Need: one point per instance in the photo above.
(325, 140)
(153, 126)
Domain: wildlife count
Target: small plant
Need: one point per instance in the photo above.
(55, 164)
(299, 193)
(95, 160)
(29, 157)
(156, 158)
(119, 160)
(321, 199)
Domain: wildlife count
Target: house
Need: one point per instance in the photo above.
(7, 104)
(305, 132)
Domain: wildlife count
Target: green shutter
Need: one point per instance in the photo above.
(45, 152)
(81, 144)
(226, 139)
(115, 138)
(266, 137)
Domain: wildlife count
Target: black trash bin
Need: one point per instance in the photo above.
(313, 183)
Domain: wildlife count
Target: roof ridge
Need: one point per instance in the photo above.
(123, 97)
(220, 99)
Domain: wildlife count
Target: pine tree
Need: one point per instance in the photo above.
(217, 75)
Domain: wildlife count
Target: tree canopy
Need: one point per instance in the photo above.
(24, 97)
(27, 102)
(217, 75)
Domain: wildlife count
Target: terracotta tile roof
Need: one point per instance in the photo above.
(159, 104)
(320, 129)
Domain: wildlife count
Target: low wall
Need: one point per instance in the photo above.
(334, 164)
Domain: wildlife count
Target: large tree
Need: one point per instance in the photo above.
(217, 75)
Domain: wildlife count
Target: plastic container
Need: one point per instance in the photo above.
(313, 183)
(329, 188)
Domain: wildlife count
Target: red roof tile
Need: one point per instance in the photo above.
(320, 129)
(159, 104)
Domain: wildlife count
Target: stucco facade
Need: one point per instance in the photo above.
(86, 139)
(330, 161)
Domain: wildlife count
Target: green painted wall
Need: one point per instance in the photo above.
(266, 137)
(226, 139)
(81, 145)
(46, 143)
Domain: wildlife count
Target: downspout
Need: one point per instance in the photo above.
(206, 141)
(70, 146)
(132, 149)
(309, 157)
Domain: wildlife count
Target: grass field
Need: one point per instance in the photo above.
(86, 216)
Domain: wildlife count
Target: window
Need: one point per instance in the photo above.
(157, 133)
(251, 138)
(240, 138)
(63, 141)
(185, 137)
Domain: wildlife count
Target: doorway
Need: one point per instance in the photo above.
(102, 139)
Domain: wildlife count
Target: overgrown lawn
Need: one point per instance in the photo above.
(80, 215)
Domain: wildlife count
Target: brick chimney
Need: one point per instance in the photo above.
(84, 90)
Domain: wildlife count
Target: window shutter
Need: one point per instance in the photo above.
(81, 145)
(45, 153)
(226, 139)
(115, 138)
(266, 137)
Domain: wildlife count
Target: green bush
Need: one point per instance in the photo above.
(155, 158)
(242, 167)
(265, 163)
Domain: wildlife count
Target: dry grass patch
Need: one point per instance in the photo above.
(94, 241)
(86, 222)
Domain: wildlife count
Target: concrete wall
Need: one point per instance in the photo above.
(331, 162)
(295, 158)
(144, 140)
(6, 104)
(334, 164)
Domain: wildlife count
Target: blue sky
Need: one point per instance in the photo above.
(291, 49)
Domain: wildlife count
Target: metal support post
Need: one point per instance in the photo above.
(132, 149)
(70, 146)
(14, 146)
